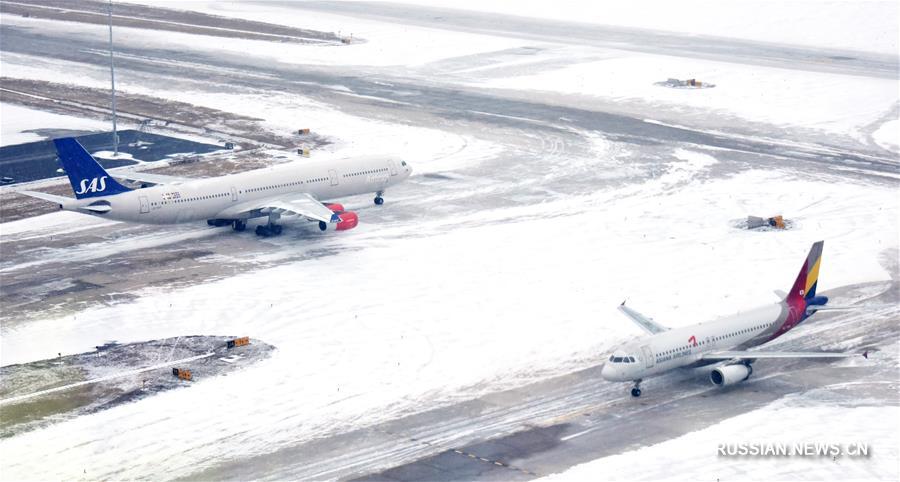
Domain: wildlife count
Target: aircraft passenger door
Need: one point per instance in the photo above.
(233, 194)
(393, 166)
(145, 204)
(649, 361)
(332, 175)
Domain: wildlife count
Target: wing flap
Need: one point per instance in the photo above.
(301, 204)
(644, 322)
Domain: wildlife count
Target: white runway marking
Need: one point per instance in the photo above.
(101, 379)
(570, 437)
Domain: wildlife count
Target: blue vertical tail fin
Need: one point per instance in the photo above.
(87, 176)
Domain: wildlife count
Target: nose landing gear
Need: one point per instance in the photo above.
(636, 391)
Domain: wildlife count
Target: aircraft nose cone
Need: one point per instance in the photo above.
(608, 372)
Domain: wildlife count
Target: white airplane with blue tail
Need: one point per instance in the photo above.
(295, 188)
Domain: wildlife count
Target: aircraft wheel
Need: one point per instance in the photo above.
(379, 201)
(238, 225)
(211, 222)
(276, 229)
(323, 226)
(635, 392)
(262, 231)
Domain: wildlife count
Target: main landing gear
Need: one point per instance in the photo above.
(236, 224)
(636, 391)
(378, 199)
(270, 229)
(266, 230)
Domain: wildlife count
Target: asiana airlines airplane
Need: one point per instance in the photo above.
(289, 189)
(726, 342)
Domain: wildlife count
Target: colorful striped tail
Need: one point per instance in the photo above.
(805, 284)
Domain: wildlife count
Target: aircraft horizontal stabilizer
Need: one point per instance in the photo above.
(47, 197)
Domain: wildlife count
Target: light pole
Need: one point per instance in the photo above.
(112, 78)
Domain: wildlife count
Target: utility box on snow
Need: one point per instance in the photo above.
(244, 340)
(776, 222)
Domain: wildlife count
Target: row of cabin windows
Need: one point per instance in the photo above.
(715, 338)
(255, 189)
(363, 173)
(202, 198)
(191, 199)
(277, 186)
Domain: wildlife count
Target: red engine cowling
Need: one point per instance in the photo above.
(336, 207)
(349, 220)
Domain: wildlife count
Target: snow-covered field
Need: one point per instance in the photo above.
(17, 122)
(359, 339)
(443, 297)
(834, 103)
(869, 26)
(888, 135)
(848, 423)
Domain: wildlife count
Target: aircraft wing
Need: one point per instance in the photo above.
(647, 324)
(150, 178)
(730, 355)
(300, 204)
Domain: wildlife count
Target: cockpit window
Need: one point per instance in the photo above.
(610, 358)
(631, 359)
(617, 359)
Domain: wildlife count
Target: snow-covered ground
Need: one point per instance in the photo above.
(467, 297)
(372, 345)
(17, 122)
(869, 26)
(833, 103)
(841, 104)
(888, 135)
(799, 420)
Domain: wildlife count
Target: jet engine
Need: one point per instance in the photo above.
(335, 207)
(349, 220)
(730, 374)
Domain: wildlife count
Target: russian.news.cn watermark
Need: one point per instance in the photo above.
(830, 450)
